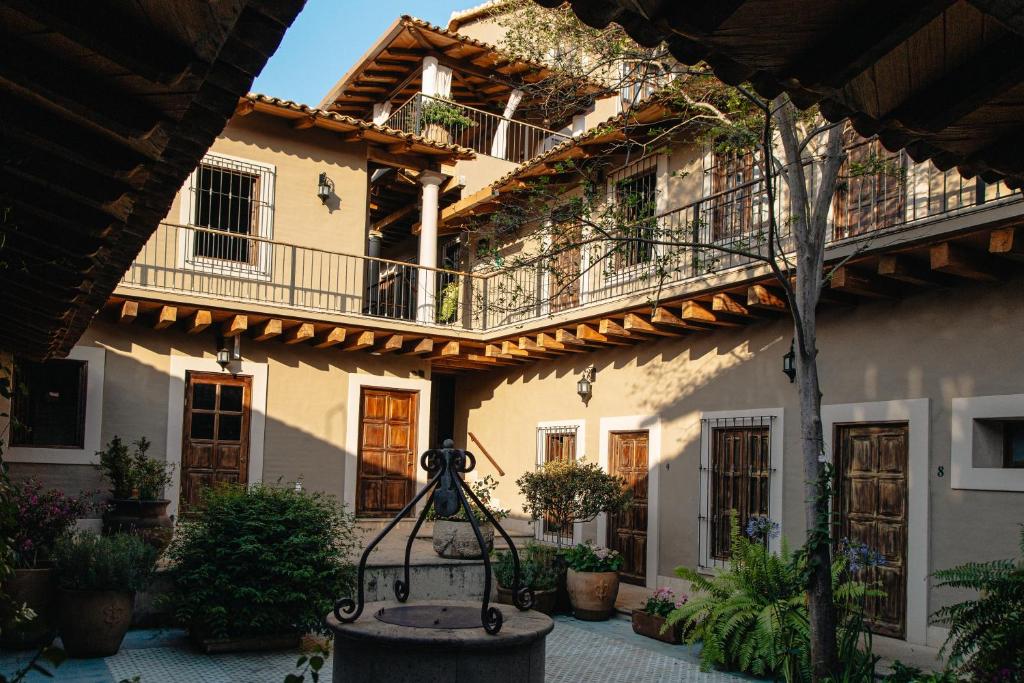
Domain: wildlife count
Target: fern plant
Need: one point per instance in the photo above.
(752, 617)
(986, 634)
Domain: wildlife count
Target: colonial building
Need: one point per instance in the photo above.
(317, 307)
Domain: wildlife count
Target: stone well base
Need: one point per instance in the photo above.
(371, 651)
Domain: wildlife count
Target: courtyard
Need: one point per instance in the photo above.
(606, 651)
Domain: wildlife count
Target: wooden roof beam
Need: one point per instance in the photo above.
(128, 312)
(547, 342)
(165, 317)
(588, 334)
(851, 281)
(418, 347)
(694, 312)
(359, 341)
(391, 343)
(764, 299)
(234, 325)
(198, 321)
(334, 336)
(947, 257)
(635, 324)
(300, 333)
(904, 269)
(1007, 242)
(268, 330)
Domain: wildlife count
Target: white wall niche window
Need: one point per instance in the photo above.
(559, 441)
(87, 363)
(987, 444)
(230, 203)
(741, 470)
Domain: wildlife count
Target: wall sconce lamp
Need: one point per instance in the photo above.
(585, 385)
(324, 187)
(789, 363)
(226, 357)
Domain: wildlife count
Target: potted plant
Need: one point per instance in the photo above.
(137, 483)
(567, 493)
(256, 567)
(650, 620)
(442, 120)
(454, 537)
(97, 577)
(40, 519)
(537, 572)
(593, 581)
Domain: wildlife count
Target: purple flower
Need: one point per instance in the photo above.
(761, 527)
(859, 556)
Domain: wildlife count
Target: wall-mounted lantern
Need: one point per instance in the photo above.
(585, 385)
(324, 187)
(789, 363)
(226, 357)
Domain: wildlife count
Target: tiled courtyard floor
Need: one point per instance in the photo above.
(576, 651)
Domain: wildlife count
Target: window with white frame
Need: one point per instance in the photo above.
(633, 195)
(557, 443)
(988, 443)
(231, 202)
(737, 476)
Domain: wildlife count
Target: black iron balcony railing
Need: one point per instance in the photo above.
(483, 132)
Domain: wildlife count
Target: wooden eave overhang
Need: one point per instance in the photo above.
(352, 129)
(631, 129)
(942, 79)
(106, 108)
(390, 71)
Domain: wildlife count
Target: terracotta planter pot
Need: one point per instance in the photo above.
(34, 588)
(93, 623)
(650, 625)
(146, 518)
(456, 540)
(592, 594)
(543, 601)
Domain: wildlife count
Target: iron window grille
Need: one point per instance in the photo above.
(736, 473)
(556, 444)
(634, 197)
(232, 202)
(50, 410)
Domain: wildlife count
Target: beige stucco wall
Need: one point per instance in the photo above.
(306, 402)
(937, 345)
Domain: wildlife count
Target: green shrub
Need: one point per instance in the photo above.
(446, 114)
(260, 561)
(752, 616)
(133, 474)
(535, 564)
(986, 634)
(484, 490)
(586, 557)
(89, 562)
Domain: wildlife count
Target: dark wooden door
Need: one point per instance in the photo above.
(564, 275)
(387, 437)
(871, 466)
(215, 447)
(627, 530)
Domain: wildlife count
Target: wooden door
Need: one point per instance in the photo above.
(627, 530)
(871, 467)
(564, 275)
(215, 447)
(387, 460)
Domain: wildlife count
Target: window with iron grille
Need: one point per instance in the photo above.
(635, 197)
(50, 410)
(737, 476)
(557, 443)
(233, 201)
(739, 208)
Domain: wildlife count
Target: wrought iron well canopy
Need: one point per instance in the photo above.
(448, 494)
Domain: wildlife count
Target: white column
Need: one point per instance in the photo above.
(426, 279)
(436, 80)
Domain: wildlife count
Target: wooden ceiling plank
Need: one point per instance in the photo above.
(852, 281)
(1007, 242)
(904, 269)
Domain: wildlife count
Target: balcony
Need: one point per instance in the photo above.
(263, 274)
(483, 132)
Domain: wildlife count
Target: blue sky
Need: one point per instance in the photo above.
(330, 35)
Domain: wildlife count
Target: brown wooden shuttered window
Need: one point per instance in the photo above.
(738, 479)
(872, 188)
(732, 188)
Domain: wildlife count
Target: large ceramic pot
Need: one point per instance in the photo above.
(93, 623)
(33, 588)
(592, 594)
(146, 518)
(543, 601)
(456, 540)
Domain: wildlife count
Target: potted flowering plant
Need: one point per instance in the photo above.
(441, 120)
(537, 572)
(454, 537)
(650, 620)
(41, 518)
(593, 580)
(137, 484)
(97, 577)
